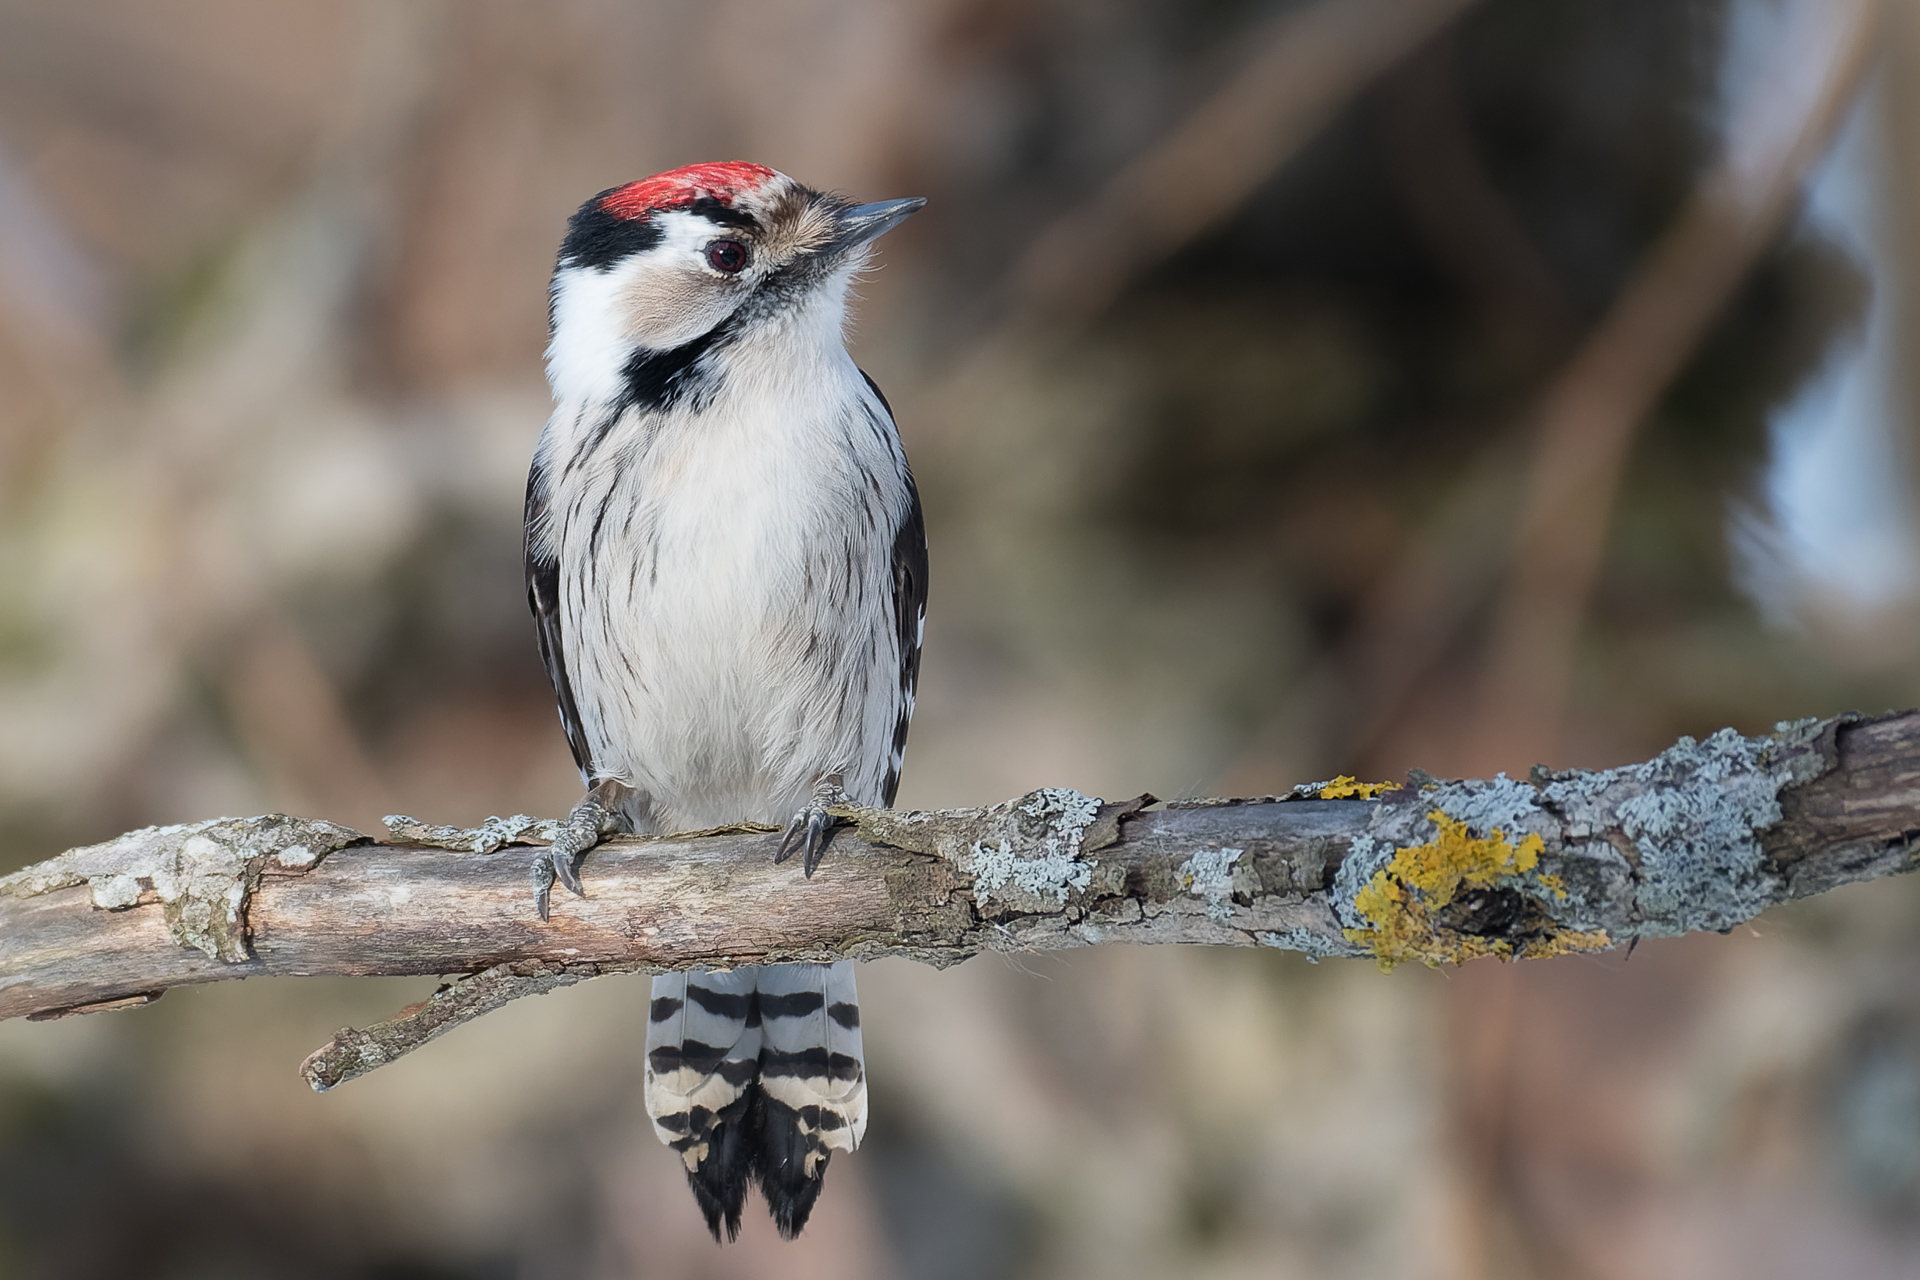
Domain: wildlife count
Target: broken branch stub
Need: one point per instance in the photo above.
(1703, 836)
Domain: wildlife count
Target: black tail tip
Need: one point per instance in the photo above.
(791, 1200)
(759, 1140)
(720, 1181)
(788, 1149)
(720, 1206)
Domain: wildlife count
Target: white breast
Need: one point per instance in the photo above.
(726, 585)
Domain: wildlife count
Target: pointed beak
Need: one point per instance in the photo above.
(865, 222)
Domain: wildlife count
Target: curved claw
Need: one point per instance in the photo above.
(812, 828)
(559, 860)
(819, 831)
(553, 863)
(565, 861)
(790, 838)
(542, 876)
(807, 834)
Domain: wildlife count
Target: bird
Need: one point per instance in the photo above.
(727, 566)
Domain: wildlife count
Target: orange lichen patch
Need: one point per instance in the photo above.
(1402, 901)
(1345, 788)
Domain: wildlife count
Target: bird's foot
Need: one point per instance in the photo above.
(592, 820)
(812, 828)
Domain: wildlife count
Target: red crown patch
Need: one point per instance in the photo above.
(678, 188)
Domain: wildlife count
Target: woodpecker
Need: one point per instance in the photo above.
(728, 571)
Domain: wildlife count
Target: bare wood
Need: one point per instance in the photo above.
(1702, 837)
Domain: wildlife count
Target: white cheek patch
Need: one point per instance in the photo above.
(588, 348)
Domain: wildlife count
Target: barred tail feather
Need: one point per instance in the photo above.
(754, 1075)
(812, 1081)
(703, 1058)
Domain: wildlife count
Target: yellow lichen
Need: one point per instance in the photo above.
(1345, 788)
(1400, 899)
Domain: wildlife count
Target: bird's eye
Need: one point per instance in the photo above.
(727, 255)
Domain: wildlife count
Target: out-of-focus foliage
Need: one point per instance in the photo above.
(271, 310)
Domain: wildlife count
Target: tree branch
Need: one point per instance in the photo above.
(1703, 836)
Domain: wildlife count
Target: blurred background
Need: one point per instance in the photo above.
(1295, 388)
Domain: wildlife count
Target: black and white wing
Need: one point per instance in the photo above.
(543, 597)
(909, 608)
(910, 616)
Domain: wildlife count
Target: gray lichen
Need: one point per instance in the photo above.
(1208, 874)
(1036, 849)
(1690, 819)
(201, 872)
(1316, 946)
(1499, 804)
(1366, 856)
(1693, 814)
(491, 835)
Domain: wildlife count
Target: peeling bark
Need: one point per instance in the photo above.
(1703, 836)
